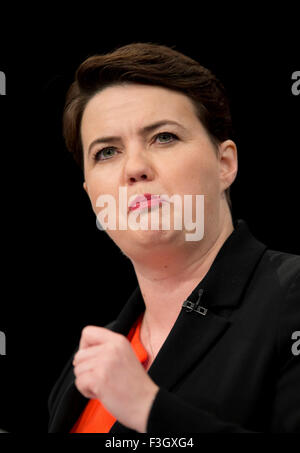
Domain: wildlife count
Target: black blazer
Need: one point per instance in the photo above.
(230, 363)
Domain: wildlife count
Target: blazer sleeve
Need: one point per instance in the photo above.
(286, 410)
(169, 413)
(59, 386)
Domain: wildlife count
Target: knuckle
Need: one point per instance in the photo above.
(116, 346)
(78, 383)
(86, 330)
(94, 388)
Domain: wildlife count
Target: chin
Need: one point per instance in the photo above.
(149, 239)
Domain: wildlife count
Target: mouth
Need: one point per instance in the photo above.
(145, 202)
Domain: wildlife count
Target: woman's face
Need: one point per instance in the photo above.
(168, 159)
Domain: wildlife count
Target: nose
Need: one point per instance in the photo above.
(138, 168)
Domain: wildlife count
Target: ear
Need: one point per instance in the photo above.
(228, 160)
(85, 187)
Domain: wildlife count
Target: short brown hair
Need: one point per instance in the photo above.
(150, 64)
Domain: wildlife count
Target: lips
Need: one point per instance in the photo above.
(145, 200)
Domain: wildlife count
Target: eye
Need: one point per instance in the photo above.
(166, 135)
(102, 152)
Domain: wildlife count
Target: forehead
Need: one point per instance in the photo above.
(120, 104)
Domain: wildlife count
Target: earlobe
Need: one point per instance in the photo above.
(229, 162)
(85, 187)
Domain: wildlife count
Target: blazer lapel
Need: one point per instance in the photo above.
(193, 333)
(192, 336)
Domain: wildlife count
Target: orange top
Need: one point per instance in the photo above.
(95, 418)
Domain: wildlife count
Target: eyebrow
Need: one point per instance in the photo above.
(143, 131)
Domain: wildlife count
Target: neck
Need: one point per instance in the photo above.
(166, 283)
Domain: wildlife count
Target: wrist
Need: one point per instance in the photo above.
(146, 408)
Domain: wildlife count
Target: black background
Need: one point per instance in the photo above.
(59, 272)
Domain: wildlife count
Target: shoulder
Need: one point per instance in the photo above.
(284, 266)
(275, 293)
(282, 270)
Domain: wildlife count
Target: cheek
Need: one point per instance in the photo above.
(93, 195)
(198, 174)
(95, 189)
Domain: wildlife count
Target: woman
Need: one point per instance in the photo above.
(204, 342)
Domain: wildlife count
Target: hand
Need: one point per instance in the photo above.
(106, 368)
